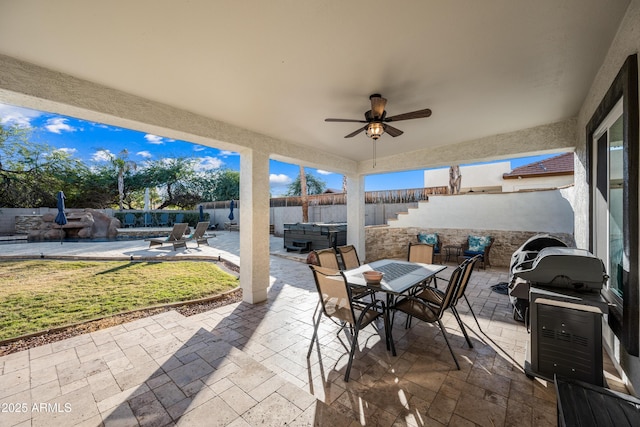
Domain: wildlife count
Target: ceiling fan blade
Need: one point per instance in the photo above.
(345, 120)
(413, 115)
(392, 131)
(352, 134)
(377, 105)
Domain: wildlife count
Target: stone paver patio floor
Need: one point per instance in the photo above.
(246, 365)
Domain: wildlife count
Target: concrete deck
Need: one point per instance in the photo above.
(246, 365)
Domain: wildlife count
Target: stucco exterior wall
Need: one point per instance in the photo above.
(510, 185)
(476, 176)
(541, 211)
(375, 214)
(625, 43)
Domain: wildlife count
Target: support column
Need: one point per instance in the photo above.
(254, 226)
(355, 214)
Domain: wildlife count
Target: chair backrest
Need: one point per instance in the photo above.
(349, 257)
(327, 258)
(179, 218)
(431, 238)
(201, 228)
(178, 231)
(334, 293)
(129, 218)
(420, 252)
(164, 218)
(467, 268)
(468, 246)
(450, 293)
(148, 218)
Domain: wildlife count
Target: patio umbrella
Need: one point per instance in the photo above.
(201, 214)
(231, 206)
(61, 218)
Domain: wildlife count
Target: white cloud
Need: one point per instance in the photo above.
(227, 153)
(208, 163)
(68, 150)
(278, 180)
(102, 156)
(58, 125)
(154, 139)
(145, 154)
(323, 172)
(199, 148)
(10, 115)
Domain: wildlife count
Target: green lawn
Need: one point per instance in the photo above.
(38, 295)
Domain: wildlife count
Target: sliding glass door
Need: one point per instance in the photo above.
(608, 199)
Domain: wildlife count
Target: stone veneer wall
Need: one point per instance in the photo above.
(389, 242)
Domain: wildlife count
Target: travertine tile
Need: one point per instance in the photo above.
(202, 415)
(237, 399)
(274, 410)
(247, 365)
(148, 410)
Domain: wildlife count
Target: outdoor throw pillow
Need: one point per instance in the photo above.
(431, 239)
(478, 243)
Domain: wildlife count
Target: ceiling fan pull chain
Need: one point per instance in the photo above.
(374, 152)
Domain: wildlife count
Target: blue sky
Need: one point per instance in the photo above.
(92, 142)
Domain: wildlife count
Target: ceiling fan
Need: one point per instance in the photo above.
(376, 119)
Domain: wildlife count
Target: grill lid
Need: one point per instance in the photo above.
(563, 268)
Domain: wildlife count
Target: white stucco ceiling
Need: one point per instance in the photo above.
(280, 67)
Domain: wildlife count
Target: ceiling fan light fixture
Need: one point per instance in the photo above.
(375, 130)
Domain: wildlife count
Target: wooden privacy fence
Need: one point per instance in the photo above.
(387, 196)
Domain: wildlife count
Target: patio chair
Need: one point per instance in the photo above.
(179, 218)
(478, 245)
(129, 220)
(349, 256)
(199, 234)
(327, 258)
(432, 239)
(163, 221)
(175, 237)
(337, 304)
(423, 253)
(436, 296)
(420, 309)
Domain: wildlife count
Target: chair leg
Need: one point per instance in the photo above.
(444, 334)
(474, 314)
(388, 324)
(464, 331)
(354, 344)
(315, 328)
(407, 323)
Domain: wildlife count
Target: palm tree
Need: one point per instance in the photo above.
(303, 194)
(455, 179)
(122, 166)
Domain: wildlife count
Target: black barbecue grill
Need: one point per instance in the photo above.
(556, 291)
(522, 258)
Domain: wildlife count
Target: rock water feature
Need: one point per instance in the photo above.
(81, 224)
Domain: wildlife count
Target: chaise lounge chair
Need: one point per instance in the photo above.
(176, 238)
(199, 233)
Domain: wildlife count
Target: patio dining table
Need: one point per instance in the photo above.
(399, 278)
